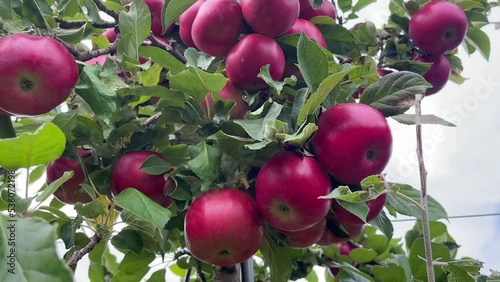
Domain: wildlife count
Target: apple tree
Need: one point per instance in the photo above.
(225, 140)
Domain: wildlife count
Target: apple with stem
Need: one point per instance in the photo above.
(287, 190)
(438, 74)
(353, 141)
(307, 237)
(28, 65)
(309, 29)
(223, 227)
(186, 23)
(307, 12)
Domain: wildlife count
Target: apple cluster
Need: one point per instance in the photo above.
(438, 28)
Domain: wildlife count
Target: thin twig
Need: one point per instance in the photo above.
(200, 270)
(77, 256)
(152, 119)
(87, 55)
(100, 5)
(157, 43)
(187, 278)
(423, 192)
(64, 24)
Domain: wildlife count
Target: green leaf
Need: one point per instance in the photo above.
(54, 185)
(398, 7)
(7, 10)
(135, 26)
(301, 137)
(384, 224)
(174, 10)
(66, 121)
(265, 74)
(411, 119)
(312, 104)
(128, 239)
(35, 260)
(463, 270)
(479, 40)
(399, 201)
(313, 63)
(37, 12)
(205, 163)
(360, 4)
(197, 83)
(467, 5)
(349, 273)
(46, 144)
(363, 255)
(198, 59)
(256, 127)
(389, 273)
(159, 276)
(277, 259)
(340, 40)
(133, 267)
(412, 66)
(417, 259)
(162, 57)
(155, 166)
(93, 209)
(100, 97)
(143, 207)
(394, 93)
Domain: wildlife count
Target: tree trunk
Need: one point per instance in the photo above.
(228, 273)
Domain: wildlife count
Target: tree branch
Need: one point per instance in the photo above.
(423, 191)
(87, 55)
(77, 256)
(102, 7)
(6, 127)
(169, 48)
(77, 24)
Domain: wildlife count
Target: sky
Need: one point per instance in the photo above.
(462, 162)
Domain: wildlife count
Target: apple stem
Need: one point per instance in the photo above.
(77, 256)
(6, 127)
(423, 191)
(227, 273)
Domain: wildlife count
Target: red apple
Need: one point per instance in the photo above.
(217, 26)
(345, 250)
(248, 56)
(287, 190)
(353, 141)
(438, 27)
(110, 34)
(306, 237)
(438, 74)
(186, 23)
(307, 12)
(329, 238)
(293, 69)
(127, 173)
(223, 227)
(343, 216)
(229, 92)
(309, 29)
(271, 18)
(70, 192)
(156, 7)
(36, 74)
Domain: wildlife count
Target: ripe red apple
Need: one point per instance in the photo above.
(186, 23)
(287, 190)
(343, 216)
(223, 227)
(309, 29)
(353, 141)
(156, 7)
(217, 26)
(110, 34)
(329, 238)
(306, 237)
(248, 56)
(127, 173)
(229, 92)
(438, 27)
(67, 193)
(438, 74)
(271, 18)
(36, 74)
(307, 12)
(345, 250)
